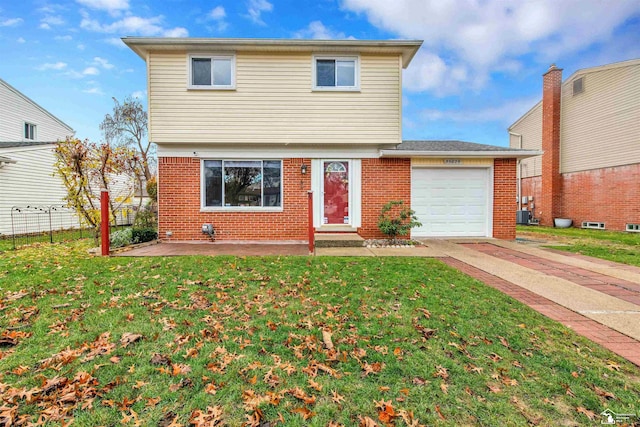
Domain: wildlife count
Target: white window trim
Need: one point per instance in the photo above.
(204, 208)
(355, 88)
(35, 131)
(230, 56)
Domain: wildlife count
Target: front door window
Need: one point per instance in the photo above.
(336, 192)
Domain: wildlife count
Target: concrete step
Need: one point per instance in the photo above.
(338, 240)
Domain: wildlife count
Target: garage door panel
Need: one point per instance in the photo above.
(450, 202)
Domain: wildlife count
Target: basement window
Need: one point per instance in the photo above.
(578, 86)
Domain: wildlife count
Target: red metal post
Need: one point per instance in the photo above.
(104, 224)
(310, 220)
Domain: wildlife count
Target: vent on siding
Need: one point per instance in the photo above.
(590, 224)
(578, 86)
(633, 228)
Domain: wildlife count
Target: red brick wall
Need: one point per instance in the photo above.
(504, 199)
(179, 206)
(383, 180)
(606, 195)
(551, 181)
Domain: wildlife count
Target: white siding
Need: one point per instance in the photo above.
(600, 127)
(274, 103)
(530, 127)
(30, 181)
(16, 109)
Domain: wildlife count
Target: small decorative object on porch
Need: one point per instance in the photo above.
(396, 219)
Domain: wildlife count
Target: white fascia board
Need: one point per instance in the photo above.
(239, 151)
(462, 154)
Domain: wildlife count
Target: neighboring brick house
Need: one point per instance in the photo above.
(589, 130)
(245, 128)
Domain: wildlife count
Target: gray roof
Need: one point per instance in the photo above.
(449, 146)
(455, 149)
(13, 144)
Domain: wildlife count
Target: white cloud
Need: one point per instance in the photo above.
(51, 20)
(113, 7)
(94, 91)
(133, 25)
(90, 71)
(81, 46)
(63, 38)
(12, 22)
(21, 40)
(176, 32)
(103, 63)
(115, 41)
(255, 9)
(317, 30)
(478, 38)
(504, 113)
(217, 15)
(52, 66)
(139, 94)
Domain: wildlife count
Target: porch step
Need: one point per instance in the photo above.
(338, 240)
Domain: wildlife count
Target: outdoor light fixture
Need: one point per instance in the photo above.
(303, 169)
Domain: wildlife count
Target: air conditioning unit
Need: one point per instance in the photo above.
(522, 217)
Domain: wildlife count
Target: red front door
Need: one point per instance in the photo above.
(336, 192)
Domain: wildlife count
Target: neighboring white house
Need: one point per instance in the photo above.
(28, 134)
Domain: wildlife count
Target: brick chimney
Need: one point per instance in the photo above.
(550, 203)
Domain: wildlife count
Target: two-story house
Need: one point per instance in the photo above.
(589, 129)
(245, 128)
(28, 134)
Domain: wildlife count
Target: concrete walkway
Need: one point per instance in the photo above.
(599, 301)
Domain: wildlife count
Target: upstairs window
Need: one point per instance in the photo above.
(336, 73)
(212, 72)
(578, 86)
(30, 131)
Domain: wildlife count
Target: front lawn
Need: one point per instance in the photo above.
(615, 246)
(285, 341)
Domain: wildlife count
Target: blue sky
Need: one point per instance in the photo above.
(479, 68)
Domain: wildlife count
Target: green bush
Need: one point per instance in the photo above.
(120, 238)
(141, 235)
(396, 219)
(145, 218)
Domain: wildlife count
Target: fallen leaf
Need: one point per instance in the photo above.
(366, 422)
(306, 413)
(439, 412)
(326, 339)
(129, 338)
(603, 393)
(613, 366)
(444, 387)
(589, 414)
(336, 397)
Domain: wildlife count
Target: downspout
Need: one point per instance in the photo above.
(518, 171)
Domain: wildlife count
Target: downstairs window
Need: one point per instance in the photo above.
(242, 183)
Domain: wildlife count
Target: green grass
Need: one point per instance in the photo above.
(615, 246)
(244, 337)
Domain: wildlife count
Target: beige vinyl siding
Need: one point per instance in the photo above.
(15, 110)
(601, 126)
(274, 103)
(530, 127)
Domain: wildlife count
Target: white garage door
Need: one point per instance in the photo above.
(451, 202)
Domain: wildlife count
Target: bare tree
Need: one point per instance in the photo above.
(128, 126)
